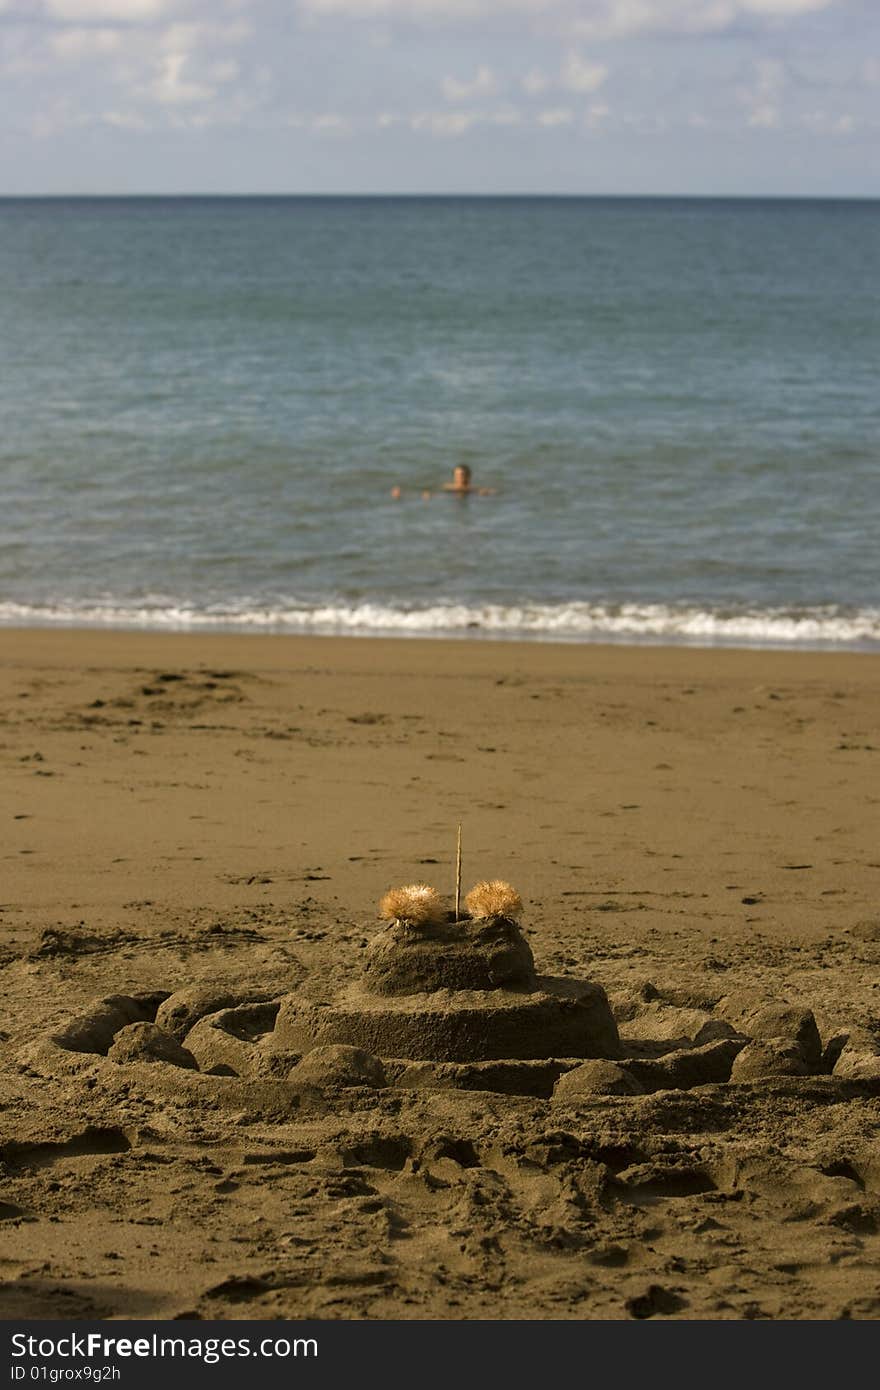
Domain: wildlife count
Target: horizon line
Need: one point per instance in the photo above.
(569, 196)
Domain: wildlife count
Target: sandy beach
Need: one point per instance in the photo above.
(684, 826)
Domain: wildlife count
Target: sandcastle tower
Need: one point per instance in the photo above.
(442, 987)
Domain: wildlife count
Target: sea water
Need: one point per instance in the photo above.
(205, 404)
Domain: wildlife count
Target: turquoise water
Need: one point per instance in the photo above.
(206, 402)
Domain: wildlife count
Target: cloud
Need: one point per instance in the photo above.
(161, 64)
(616, 19)
(555, 116)
(454, 123)
(535, 82)
(125, 120)
(443, 122)
(414, 9)
(577, 75)
(824, 123)
(187, 37)
(171, 88)
(106, 11)
(483, 84)
(330, 123)
(78, 45)
(762, 97)
(185, 73)
(597, 19)
(781, 8)
(449, 123)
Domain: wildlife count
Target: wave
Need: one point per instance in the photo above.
(819, 626)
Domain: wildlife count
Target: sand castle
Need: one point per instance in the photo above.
(448, 1000)
(440, 998)
(437, 989)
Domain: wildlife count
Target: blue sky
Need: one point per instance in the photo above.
(494, 96)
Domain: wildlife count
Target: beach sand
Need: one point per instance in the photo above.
(684, 826)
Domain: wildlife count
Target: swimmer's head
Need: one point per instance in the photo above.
(461, 475)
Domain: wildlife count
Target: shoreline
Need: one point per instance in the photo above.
(708, 624)
(34, 642)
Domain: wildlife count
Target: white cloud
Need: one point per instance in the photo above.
(225, 71)
(330, 123)
(555, 116)
(763, 96)
(175, 63)
(600, 19)
(824, 123)
(412, 9)
(611, 19)
(75, 45)
(171, 88)
(188, 37)
(125, 120)
(782, 8)
(107, 11)
(578, 75)
(449, 123)
(483, 84)
(178, 66)
(535, 82)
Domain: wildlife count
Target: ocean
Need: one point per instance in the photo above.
(206, 402)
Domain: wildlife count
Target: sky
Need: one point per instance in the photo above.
(706, 97)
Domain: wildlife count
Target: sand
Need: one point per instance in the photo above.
(685, 827)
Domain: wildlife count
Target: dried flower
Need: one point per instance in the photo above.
(417, 903)
(494, 899)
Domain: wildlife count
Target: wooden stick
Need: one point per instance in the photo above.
(458, 876)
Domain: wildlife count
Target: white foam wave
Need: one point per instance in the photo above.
(825, 626)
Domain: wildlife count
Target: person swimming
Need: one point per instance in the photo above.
(461, 480)
(460, 485)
